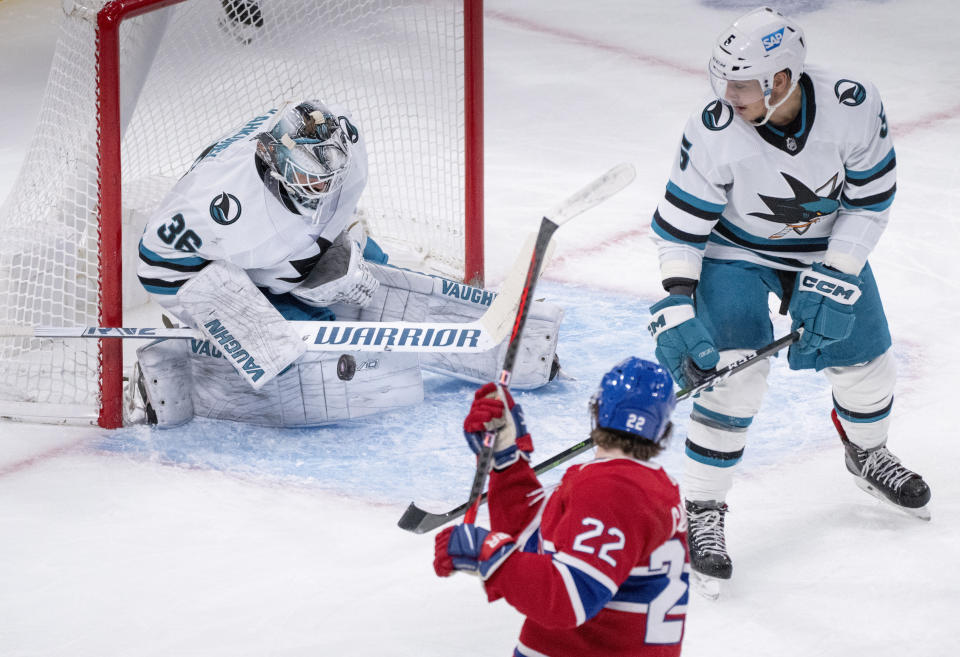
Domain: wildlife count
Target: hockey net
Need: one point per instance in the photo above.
(189, 70)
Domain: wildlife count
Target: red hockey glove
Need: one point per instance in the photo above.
(471, 549)
(512, 440)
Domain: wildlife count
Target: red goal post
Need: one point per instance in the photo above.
(412, 72)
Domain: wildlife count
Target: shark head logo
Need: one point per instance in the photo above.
(804, 209)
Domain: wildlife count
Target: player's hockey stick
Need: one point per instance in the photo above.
(419, 521)
(597, 191)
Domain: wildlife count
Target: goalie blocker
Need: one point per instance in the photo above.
(186, 378)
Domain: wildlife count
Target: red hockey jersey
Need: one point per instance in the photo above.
(602, 566)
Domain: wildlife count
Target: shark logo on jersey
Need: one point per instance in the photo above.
(850, 92)
(717, 115)
(225, 208)
(804, 209)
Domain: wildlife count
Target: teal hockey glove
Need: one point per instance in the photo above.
(684, 345)
(823, 304)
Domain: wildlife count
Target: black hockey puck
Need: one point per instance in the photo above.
(346, 367)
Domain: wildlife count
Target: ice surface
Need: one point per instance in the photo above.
(219, 539)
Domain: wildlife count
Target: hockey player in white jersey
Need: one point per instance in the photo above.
(782, 184)
(255, 234)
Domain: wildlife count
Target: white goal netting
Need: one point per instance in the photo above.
(189, 73)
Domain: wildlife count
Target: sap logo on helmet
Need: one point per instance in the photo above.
(850, 92)
(772, 40)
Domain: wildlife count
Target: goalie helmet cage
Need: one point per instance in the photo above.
(138, 88)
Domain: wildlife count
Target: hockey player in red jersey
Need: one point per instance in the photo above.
(599, 565)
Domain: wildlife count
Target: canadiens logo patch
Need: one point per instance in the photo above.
(225, 208)
(717, 115)
(850, 92)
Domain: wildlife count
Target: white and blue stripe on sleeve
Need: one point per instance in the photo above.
(684, 218)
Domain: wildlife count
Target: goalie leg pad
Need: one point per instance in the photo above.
(167, 380)
(225, 305)
(716, 436)
(411, 296)
(310, 392)
(863, 399)
(533, 366)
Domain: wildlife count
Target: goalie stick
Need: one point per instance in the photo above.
(482, 334)
(597, 191)
(449, 337)
(418, 521)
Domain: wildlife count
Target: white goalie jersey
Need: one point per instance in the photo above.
(228, 208)
(820, 190)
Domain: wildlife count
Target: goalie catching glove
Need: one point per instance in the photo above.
(340, 276)
(511, 439)
(823, 304)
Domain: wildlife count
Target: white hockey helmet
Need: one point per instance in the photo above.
(757, 46)
(308, 150)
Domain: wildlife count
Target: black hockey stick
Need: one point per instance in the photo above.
(597, 191)
(485, 457)
(419, 521)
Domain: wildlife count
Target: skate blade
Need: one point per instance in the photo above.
(923, 513)
(708, 587)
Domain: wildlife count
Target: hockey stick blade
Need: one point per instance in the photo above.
(593, 194)
(501, 315)
(585, 198)
(419, 521)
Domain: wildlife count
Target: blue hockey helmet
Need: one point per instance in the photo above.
(308, 149)
(637, 397)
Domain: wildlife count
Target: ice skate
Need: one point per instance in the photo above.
(709, 562)
(880, 473)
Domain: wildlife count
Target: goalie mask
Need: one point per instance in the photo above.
(636, 397)
(750, 53)
(307, 150)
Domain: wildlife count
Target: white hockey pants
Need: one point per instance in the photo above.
(716, 438)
